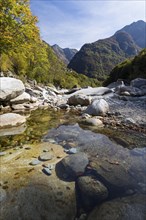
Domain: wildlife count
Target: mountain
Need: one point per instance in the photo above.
(65, 54)
(129, 69)
(97, 59)
(138, 32)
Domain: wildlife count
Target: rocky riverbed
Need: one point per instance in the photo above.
(117, 105)
(91, 158)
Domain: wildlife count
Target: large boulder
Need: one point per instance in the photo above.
(9, 120)
(138, 82)
(91, 191)
(131, 207)
(79, 99)
(75, 164)
(24, 97)
(98, 107)
(10, 88)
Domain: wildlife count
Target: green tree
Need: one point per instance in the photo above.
(17, 25)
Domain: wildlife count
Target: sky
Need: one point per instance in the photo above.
(72, 23)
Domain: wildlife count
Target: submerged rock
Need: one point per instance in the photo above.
(91, 191)
(130, 207)
(75, 164)
(120, 169)
(35, 162)
(46, 156)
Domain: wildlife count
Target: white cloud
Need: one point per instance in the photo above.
(75, 23)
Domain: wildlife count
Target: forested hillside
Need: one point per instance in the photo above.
(24, 53)
(129, 69)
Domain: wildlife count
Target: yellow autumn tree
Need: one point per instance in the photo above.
(17, 25)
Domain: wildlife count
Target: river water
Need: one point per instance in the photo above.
(117, 157)
(41, 121)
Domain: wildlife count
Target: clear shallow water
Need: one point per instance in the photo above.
(38, 124)
(41, 121)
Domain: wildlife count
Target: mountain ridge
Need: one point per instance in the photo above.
(97, 59)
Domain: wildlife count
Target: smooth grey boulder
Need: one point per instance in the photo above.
(91, 191)
(130, 207)
(10, 88)
(24, 97)
(98, 107)
(9, 120)
(138, 82)
(79, 99)
(75, 164)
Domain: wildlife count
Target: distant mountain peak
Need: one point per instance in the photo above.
(65, 54)
(138, 32)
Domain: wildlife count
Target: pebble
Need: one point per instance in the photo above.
(49, 166)
(72, 150)
(35, 162)
(2, 153)
(47, 171)
(51, 141)
(46, 156)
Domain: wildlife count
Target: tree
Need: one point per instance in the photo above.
(17, 25)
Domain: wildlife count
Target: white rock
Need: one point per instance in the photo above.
(98, 107)
(11, 120)
(10, 88)
(24, 97)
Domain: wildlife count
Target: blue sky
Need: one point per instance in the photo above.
(72, 23)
